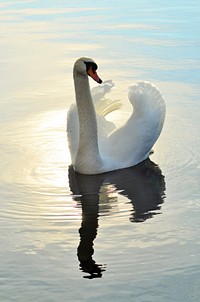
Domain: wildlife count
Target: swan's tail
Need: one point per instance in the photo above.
(146, 98)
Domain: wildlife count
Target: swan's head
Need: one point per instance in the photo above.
(86, 66)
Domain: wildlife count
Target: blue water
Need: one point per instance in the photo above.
(124, 236)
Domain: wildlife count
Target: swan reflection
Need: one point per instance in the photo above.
(143, 185)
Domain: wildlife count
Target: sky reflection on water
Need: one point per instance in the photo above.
(156, 260)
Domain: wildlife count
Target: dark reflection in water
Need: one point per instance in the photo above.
(143, 185)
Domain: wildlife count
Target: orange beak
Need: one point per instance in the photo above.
(94, 75)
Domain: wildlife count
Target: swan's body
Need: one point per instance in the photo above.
(97, 145)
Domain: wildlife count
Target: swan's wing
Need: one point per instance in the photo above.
(146, 98)
(131, 143)
(148, 103)
(99, 92)
(104, 106)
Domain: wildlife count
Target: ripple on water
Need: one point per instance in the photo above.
(38, 188)
(35, 180)
(28, 205)
(137, 192)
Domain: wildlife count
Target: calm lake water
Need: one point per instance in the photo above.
(131, 235)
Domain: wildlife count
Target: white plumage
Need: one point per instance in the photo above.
(105, 147)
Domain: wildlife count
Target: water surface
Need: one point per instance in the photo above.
(125, 236)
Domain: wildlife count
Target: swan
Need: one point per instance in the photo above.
(97, 145)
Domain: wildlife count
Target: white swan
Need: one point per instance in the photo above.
(97, 145)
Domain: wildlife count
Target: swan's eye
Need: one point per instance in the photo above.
(91, 65)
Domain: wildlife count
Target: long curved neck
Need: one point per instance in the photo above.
(87, 158)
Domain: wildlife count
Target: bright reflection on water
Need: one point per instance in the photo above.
(135, 231)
